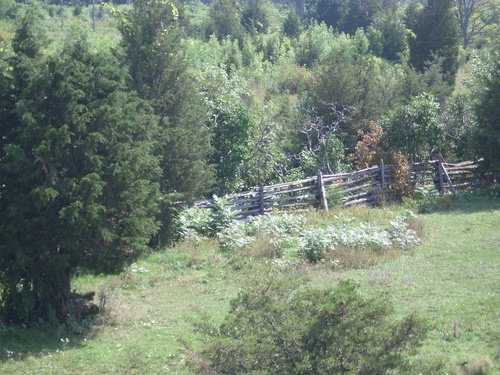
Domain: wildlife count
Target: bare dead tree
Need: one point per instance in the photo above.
(319, 133)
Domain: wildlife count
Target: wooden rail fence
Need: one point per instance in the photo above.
(366, 186)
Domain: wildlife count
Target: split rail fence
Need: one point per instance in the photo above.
(367, 186)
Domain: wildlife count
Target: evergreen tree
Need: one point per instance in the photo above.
(331, 12)
(487, 94)
(346, 15)
(359, 16)
(77, 173)
(292, 25)
(225, 20)
(435, 36)
(254, 17)
(342, 88)
(160, 73)
(278, 327)
(387, 35)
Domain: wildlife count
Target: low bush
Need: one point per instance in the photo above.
(196, 223)
(477, 366)
(277, 327)
(279, 231)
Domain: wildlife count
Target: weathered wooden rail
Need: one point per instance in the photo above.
(366, 186)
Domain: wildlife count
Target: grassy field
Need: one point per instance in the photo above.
(452, 279)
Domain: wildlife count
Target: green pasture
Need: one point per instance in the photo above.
(452, 279)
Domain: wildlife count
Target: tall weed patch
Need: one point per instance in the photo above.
(289, 235)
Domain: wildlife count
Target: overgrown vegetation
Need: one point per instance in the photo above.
(107, 135)
(290, 235)
(150, 312)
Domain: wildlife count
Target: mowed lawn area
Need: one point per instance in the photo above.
(452, 279)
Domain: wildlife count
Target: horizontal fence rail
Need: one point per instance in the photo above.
(367, 186)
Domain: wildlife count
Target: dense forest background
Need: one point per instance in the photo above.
(111, 113)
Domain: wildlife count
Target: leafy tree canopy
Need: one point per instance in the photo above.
(415, 129)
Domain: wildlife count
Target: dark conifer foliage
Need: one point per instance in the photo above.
(276, 327)
(435, 37)
(488, 111)
(77, 173)
(254, 17)
(225, 20)
(159, 72)
(292, 25)
(346, 15)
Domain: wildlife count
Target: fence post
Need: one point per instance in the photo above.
(441, 180)
(322, 192)
(261, 202)
(382, 174)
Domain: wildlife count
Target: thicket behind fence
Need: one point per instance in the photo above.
(367, 186)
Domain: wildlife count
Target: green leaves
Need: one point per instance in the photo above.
(415, 128)
(435, 36)
(231, 141)
(487, 94)
(276, 326)
(79, 177)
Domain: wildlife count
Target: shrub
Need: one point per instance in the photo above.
(402, 184)
(316, 245)
(194, 222)
(77, 10)
(235, 237)
(335, 197)
(280, 231)
(279, 328)
(222, 215)
(197, 222)
(369, 149)
(276, 234)
(477, 366)
(424, 199)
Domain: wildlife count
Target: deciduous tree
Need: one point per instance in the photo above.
(415, 129)
(474, 16)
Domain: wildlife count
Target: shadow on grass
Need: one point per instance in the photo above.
(464, 202)
(18, 343)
